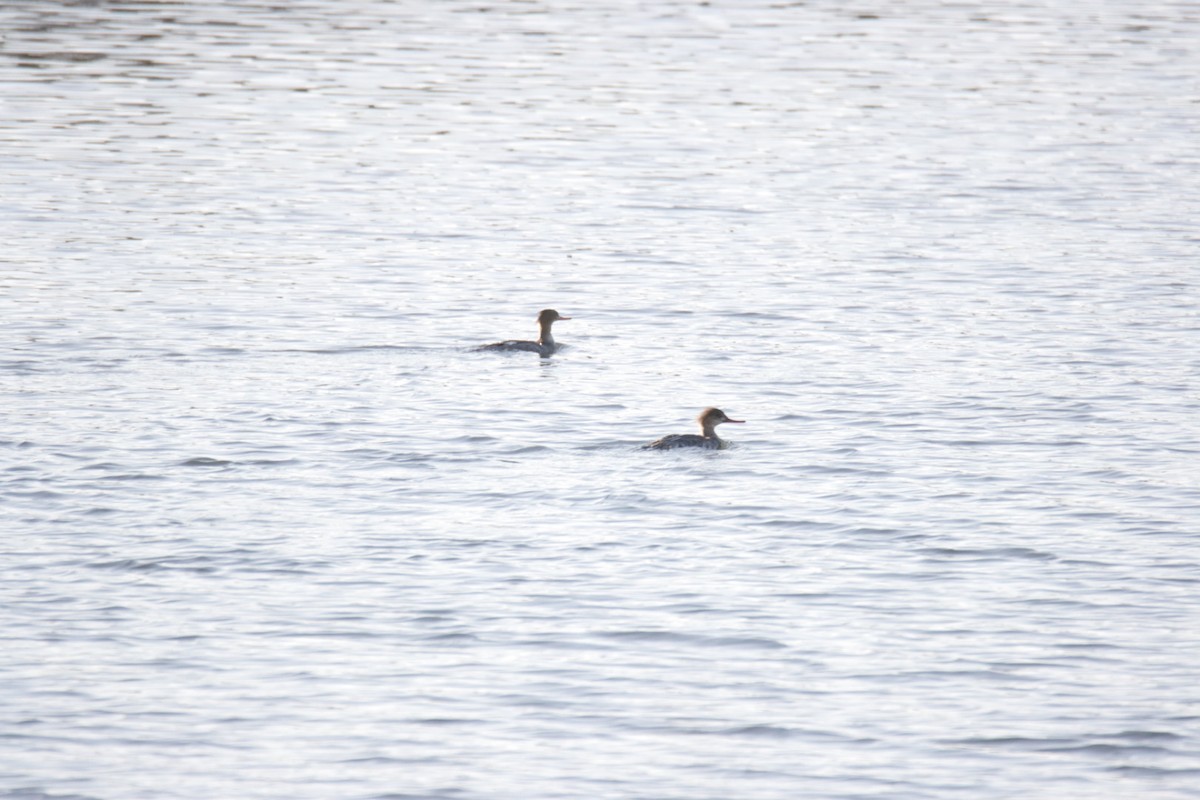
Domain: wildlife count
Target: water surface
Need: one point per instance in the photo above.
(274, 531)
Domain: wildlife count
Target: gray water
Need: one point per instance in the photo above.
(273, 530)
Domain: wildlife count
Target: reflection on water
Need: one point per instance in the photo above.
(278, 531)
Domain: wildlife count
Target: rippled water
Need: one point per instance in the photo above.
(274, 531)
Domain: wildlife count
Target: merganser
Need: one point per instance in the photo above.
(545, 344)
(709, 419)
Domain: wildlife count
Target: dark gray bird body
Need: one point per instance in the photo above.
(709, 419)
(545, 346)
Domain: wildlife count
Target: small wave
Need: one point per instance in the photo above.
(1138, 742)
(38, 794)
(797, 524)
(393, 760)
(1141, 736)
(444, 638)
(805, 595)
(38, 494)
(1010, 741)
(670, 637)
(614, 446)
(1088, 646)
(560, 644)
(762, 732)
(943, 674)
(989, 554)
(205, 461)
(155, 565)
(99, 511)
(361, 348)
(22, 367)
(681, 207)
(874, 531)
(1104, 749)
(1157, 772)
(768, 731)
(473, 438)
(763, 315)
